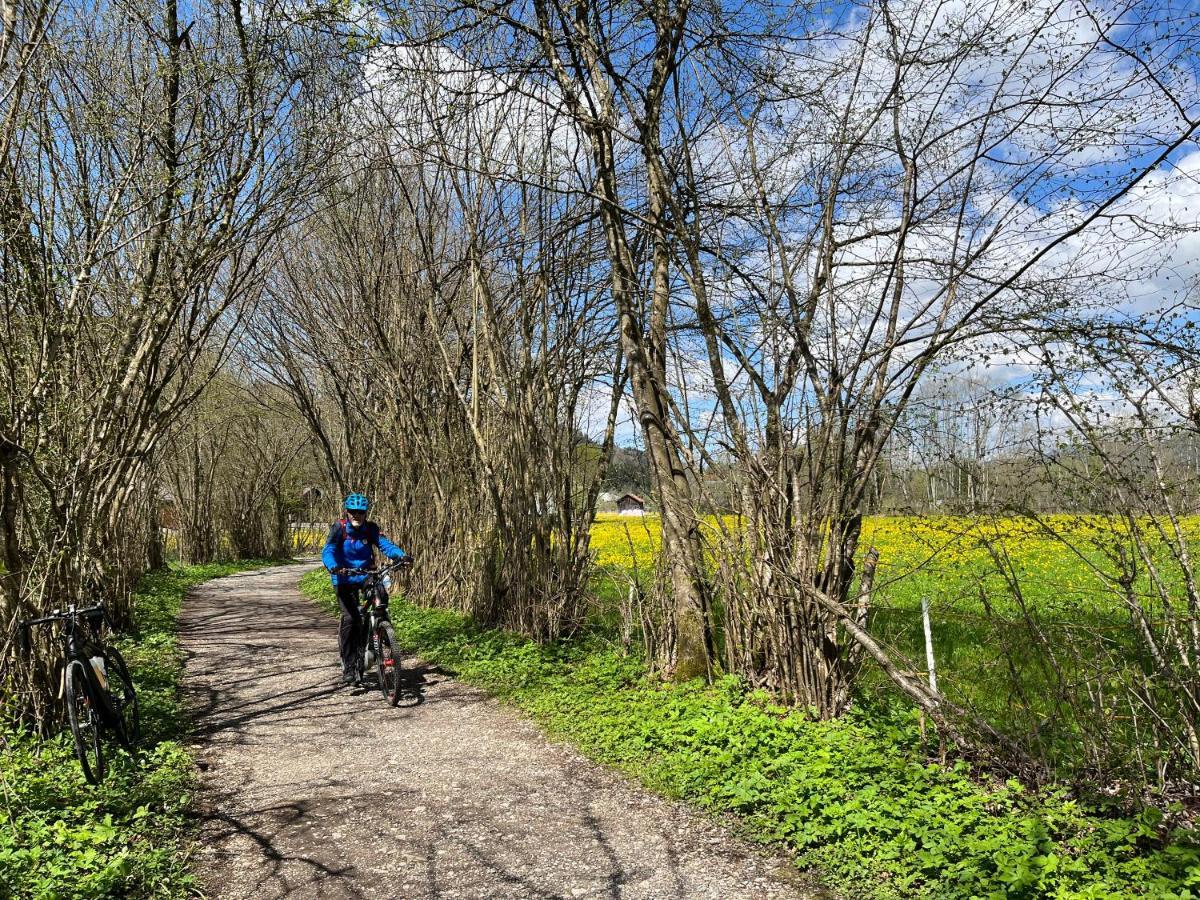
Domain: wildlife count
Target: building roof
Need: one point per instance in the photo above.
(631, 497)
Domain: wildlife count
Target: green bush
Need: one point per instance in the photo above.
(125, 837)
(857, 799)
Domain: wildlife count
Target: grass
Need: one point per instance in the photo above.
(126, 837)
(993, 584)
(857, 799)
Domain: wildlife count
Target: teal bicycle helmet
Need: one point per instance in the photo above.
(358, 503)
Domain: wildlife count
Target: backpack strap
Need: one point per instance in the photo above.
(334, 530)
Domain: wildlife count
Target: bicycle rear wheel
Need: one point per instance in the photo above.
(390, 668)
(124, 698)
(85, 723)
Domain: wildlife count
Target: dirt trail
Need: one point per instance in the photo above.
(314, 790)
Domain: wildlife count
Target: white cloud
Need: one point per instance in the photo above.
(435, 103)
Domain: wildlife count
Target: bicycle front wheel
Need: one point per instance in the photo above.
(85, 723)
(390, 669)
(124, 698)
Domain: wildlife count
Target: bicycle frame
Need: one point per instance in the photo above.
(374, 599)
(374, 586)
(82, 648)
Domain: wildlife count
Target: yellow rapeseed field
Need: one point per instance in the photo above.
(1064, 560)
(626, 542)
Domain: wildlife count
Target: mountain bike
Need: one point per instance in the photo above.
(95, 684)
(377, 638)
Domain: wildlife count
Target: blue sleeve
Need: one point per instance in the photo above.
(390, 550)
(329, 554)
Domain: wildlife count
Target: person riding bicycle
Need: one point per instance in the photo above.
(351, 544)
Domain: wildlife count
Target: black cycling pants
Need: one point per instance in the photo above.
(350, 632)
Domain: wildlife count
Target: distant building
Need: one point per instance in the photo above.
(631, 505)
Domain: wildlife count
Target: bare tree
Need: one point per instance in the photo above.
(145, 164)
(235, 463)
(830, 210)
(449, 378)
(1121, 395)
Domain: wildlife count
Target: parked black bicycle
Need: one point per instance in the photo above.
(95, 684)
(380, 649)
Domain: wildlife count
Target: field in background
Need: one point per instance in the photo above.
(1065, 563)
(305, 539)
(1027, 616)
(308, 538)
(946, 558)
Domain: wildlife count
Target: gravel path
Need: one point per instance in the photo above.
(314, 790)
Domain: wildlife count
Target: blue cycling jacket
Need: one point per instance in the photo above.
(347, 547)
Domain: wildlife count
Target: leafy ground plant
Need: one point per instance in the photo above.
(61, 837)
(857, 799)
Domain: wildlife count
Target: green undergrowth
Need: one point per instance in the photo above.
(856, 799)
(126, 837)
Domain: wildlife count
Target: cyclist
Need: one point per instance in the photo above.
(351, 544)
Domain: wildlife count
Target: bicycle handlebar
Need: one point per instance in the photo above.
(59, 615)
(403, 562)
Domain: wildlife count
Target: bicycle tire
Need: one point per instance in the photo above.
(377, 639)
(85, 727)
(360, 652)
(391, 670)
(126, 705)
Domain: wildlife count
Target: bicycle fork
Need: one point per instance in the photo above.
(370, 652)
(88, 707)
